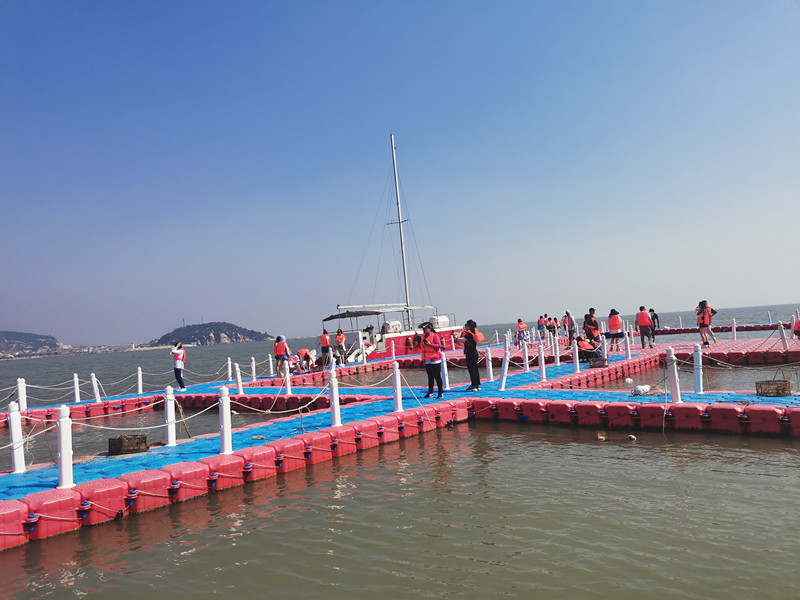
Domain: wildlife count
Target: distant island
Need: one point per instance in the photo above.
(208, 334)
(16, 344)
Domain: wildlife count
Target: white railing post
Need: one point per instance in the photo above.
(95, 388)
(557, 354)
(525, 357)
(76, 384)
(604, 346)
(792, 323)
(392, 345)
(170, 438)
(22, 393)
(225, 439)
(576, 362)
(230, 370)
(733, 329)
(698, 370)
(489, 369)
(769, 316)
(238, 371)
(680, 321)
(271, 366)
(445, 374)
(287, 378)
(16, 439)
(628, 335)
(397, 390)
(336, 414)
(65, 480)
(784, 340)
(672, 374)
(542, 371)
(253, 368)
(139, 381)
(504, 369)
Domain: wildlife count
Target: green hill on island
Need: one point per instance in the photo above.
(17, 343)
(208, 334)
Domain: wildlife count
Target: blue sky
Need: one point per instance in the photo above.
(230, 161)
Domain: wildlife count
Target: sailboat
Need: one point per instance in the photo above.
(396, 322)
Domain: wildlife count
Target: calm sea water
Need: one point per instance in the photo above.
(480, 510)
(483, 510)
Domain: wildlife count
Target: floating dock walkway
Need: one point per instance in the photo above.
(32, 506)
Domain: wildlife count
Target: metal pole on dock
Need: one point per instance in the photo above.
(504, 370)
(22, 394)
(672, 374)
(95, 388)
(784, 340)
(336, 415)
(733, 329)
(238, 371)
(139, 383)
(397, 390)
(169, 417)
(287, 378)
(698, 370)
(445, 374)
(16, 439)
(65, 480)
(225, 440)
(489, 370)
(525, 357)
(576, 363)
(542, 372)
(76, 384)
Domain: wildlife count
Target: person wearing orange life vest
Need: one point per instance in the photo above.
(339, 341)
(570, 326)
(470, 338)
(178, 361)
(540, 326)
(796, 330)
(591, 330)
(519, 336)
(325, 347)
(303, 360)
(704, 313)
(281, 352)
(432, 357)
(645, 326)
(587, 350)
(614, 330)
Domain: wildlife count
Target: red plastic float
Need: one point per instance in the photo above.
(765, 418)
(101, 500)
(622, 415)
(590, 412)
(688, 415)
(259, 462)
(317, 446)
(187, 480)
(225, 470)
(147, 489)
(52, 512)
(726, 417)
(561, 411)
(13, 527)
(534, 410)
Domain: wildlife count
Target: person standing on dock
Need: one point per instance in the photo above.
(339, 341)
(614, 329)
(655, 321)
(470, 338)
(281, 351)
(591, 329)
(570, 326)
(325, 347)
(519, 336)
(178, 360)
(432, 357)
(704, 313)
(645, 326)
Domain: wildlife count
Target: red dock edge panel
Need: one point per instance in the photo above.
(561, 411)
(147, 489)
(726, 417)
(688, 415)
(653, 415)
(534, 410)
(13, 526)
(259, 462)
(289, 454)
(388, 428)
(102, 500)
(187, 480)
(590, 412)
(343, 439)
(792, 419)
(765, 418)
(621, 415)
(484, 408)
(226, 470)
(507, 409)
(366, 434)
(52, 512)
(454, 411)
(316, 446)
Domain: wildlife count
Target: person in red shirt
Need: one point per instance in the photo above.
(432, 357)
(645, 326)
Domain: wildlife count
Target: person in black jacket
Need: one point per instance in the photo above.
(470, 338)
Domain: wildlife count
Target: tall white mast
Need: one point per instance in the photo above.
(400, 224)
